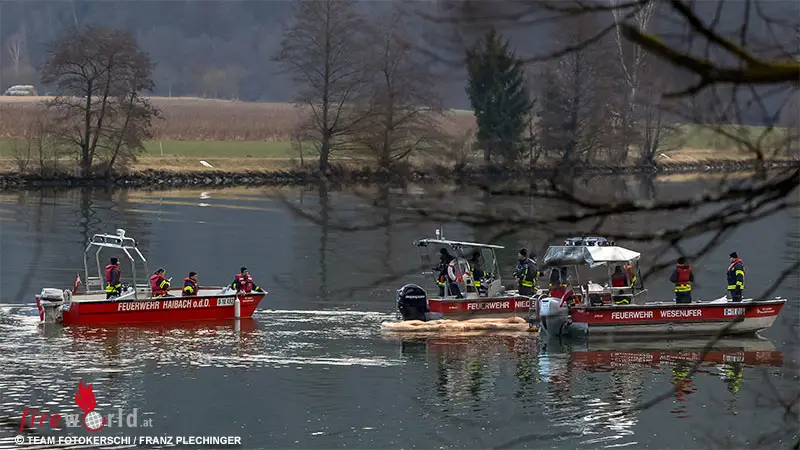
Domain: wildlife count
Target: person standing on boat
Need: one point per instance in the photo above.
(736, 277)
(244, 282)
(444, 259)
(620, 280)
(526, 274)
(113, 279)
(682, 277)
(159, 284)
(558, 282)
(190, 285)
(478, 274)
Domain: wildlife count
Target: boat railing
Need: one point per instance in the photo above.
(117, 241)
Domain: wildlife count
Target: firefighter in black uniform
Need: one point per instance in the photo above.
(526, 274)
(736, 277)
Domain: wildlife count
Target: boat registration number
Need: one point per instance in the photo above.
(734, 311)
(225, 301)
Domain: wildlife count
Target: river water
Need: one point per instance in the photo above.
(314, 370)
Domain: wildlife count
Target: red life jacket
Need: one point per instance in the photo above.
(619, 280)
(109, 268)
(244, 282)
(684, 273)
(155, 282)
(558, 290)
(194, 286)
(735, 261)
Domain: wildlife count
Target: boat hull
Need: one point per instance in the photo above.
(669, 319)
(94, 309)
(484, 307)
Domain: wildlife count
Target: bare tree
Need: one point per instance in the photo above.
(16, 47)
(325, 52)
(577, 109)
(405, 103)
(100, 74)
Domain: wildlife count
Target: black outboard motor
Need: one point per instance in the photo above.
(412, 302)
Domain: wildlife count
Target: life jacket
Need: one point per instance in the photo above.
(619, 280)
(190, 287)
(156, 283)
(244, 282)
(109, 286)
(558, 290)
(683, 278)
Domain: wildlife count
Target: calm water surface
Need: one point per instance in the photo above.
(314, 370)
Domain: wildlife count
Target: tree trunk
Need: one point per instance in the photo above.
(324, 152)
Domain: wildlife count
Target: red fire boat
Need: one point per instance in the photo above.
(484, 298)
(136, 304)
(589, 308)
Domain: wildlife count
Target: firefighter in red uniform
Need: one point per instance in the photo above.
(620, 280)
(190, 286)
(113, 279)
(159, 284)
(682, 277)
(244, 282)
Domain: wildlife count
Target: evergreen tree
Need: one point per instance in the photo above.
(499, 96)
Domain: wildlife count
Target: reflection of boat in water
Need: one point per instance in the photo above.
(604, 357)
(136, 304)
(593, 309)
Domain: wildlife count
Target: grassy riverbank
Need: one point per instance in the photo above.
(232, 135)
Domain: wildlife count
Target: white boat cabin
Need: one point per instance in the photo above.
(565, 266)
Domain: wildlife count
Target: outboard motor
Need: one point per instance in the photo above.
(51, 305)
(553, 315)
(412, 302)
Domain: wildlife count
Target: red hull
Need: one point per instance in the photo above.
(482, 306)
(174, 309)
(694, 318)
(611, 358)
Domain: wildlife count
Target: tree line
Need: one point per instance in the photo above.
(369, 91)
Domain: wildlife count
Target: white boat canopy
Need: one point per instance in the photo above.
(590, 255)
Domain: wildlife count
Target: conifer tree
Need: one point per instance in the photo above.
(499, 95)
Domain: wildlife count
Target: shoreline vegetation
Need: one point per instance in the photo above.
(161, 179)
(250, 143)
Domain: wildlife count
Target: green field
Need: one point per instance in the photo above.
(198, 149)
(691, 141)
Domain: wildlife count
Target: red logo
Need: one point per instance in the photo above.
(84, 398)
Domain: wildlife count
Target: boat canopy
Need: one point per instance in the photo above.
(593, 256)
(426, 242)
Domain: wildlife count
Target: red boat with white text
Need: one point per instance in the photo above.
(135, 304)
(490, 300)
(588, 308)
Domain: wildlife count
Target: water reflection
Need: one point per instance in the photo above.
(593, 389)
